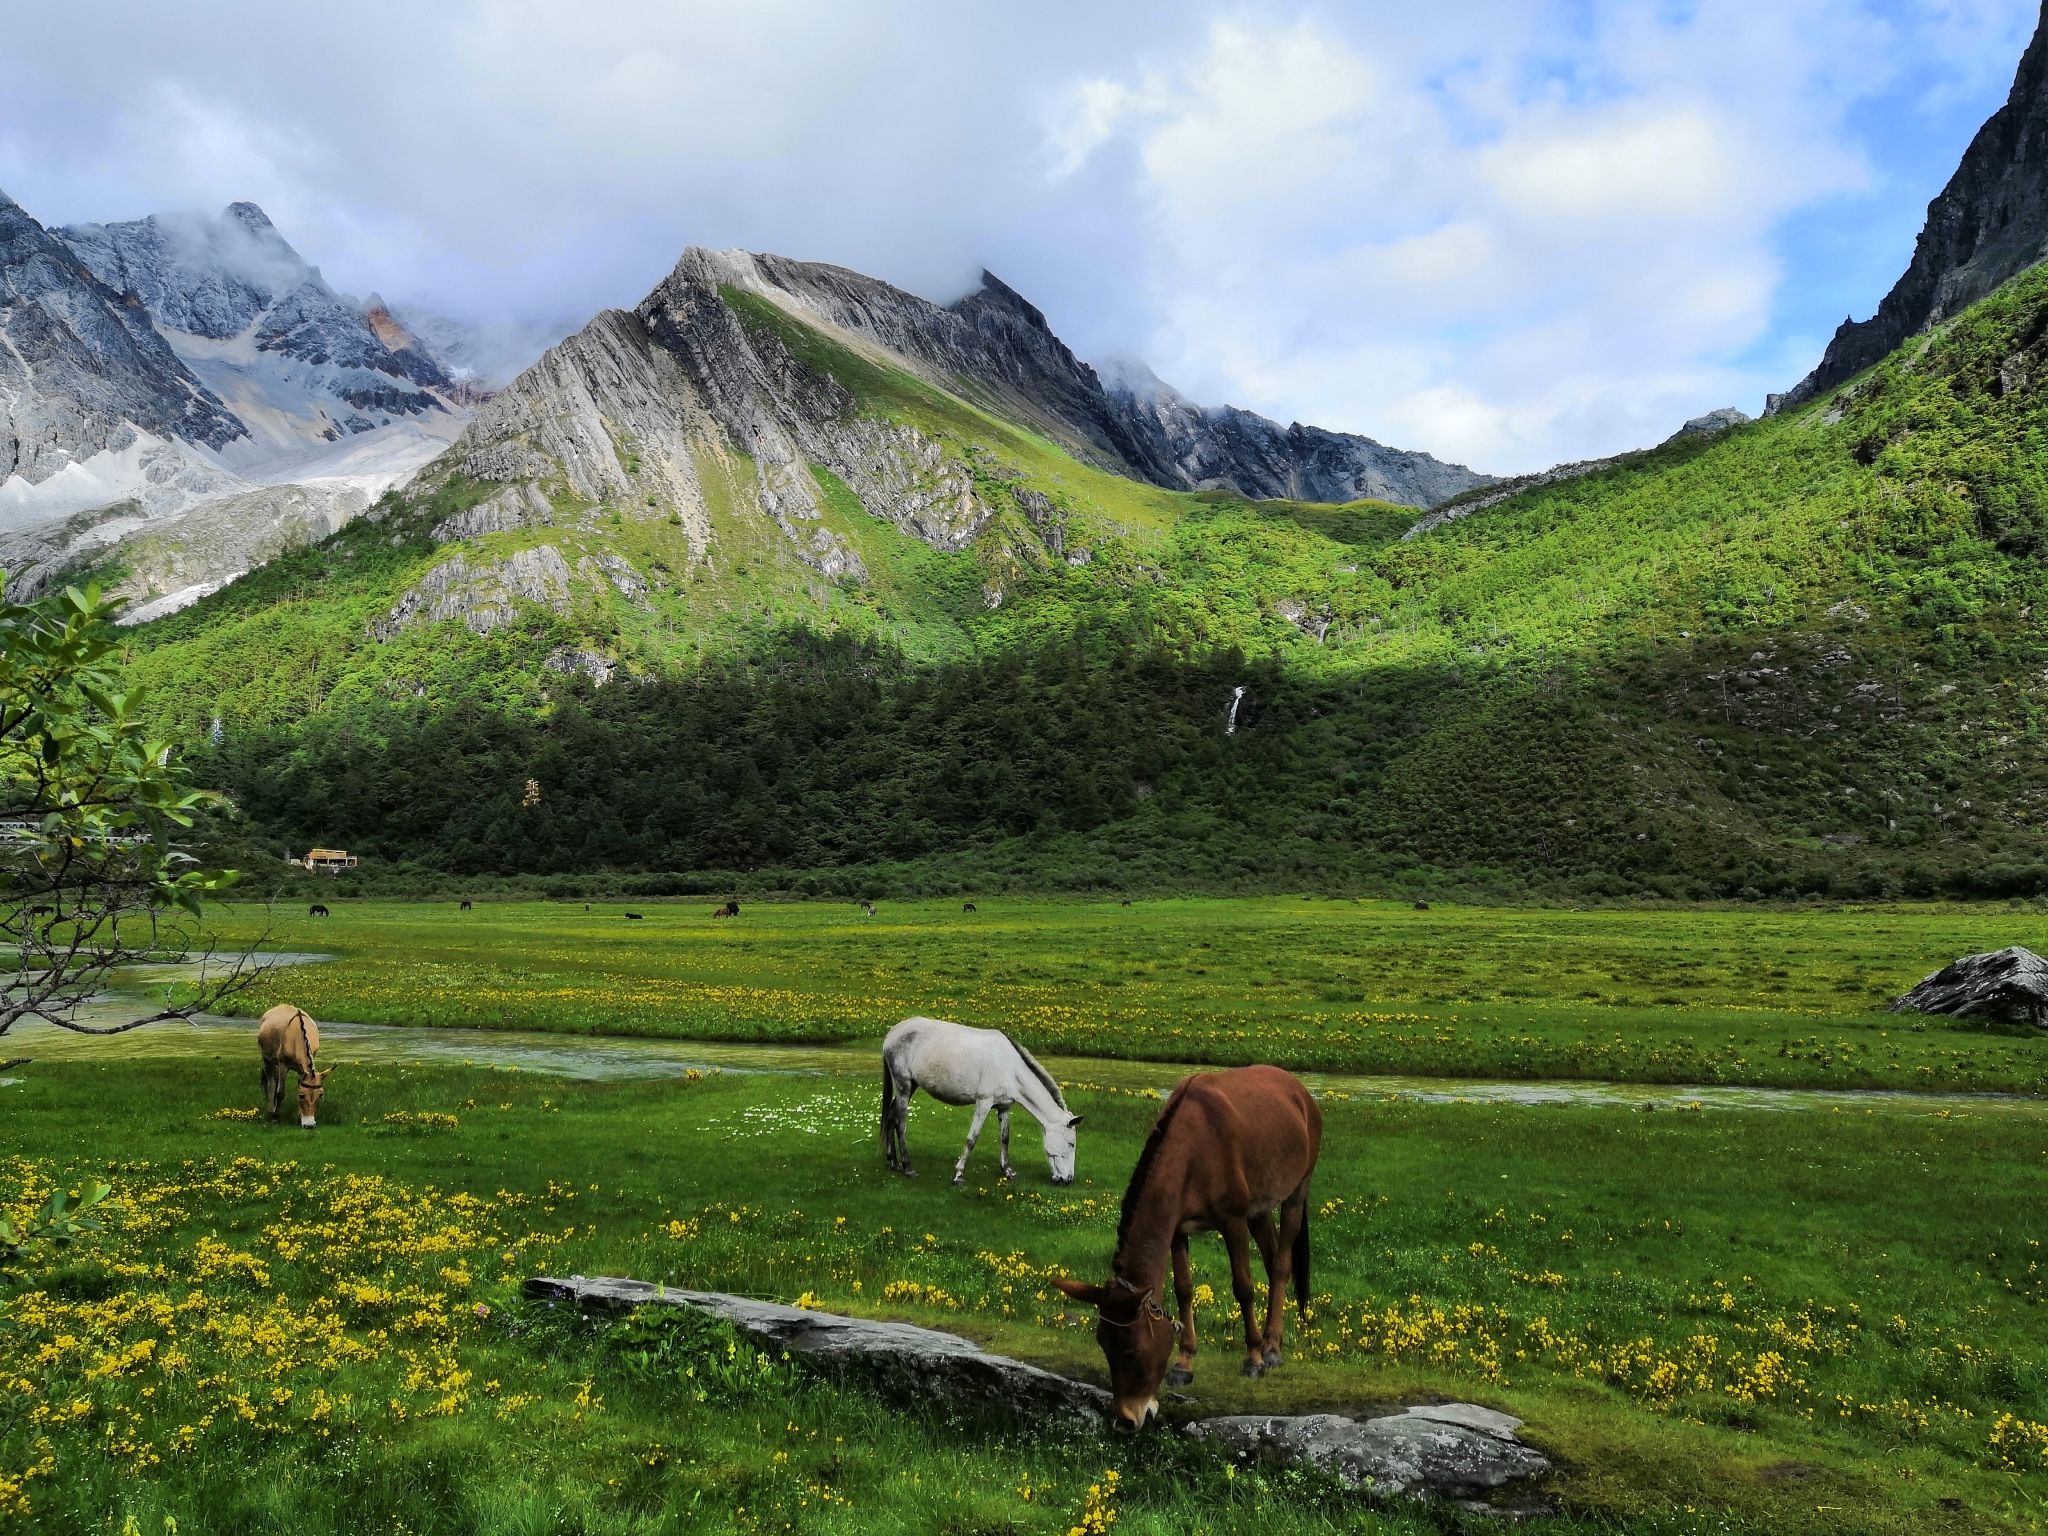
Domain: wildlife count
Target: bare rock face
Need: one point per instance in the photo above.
(82, 371)
(1989, 222)
(486, 594)
(1457, 1451)
(516, 506)
(1224, 448)
(2009, 986)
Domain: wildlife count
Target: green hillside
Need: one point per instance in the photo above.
(1801, 656)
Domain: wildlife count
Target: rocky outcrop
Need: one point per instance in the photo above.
(2006, 986)
(516, 506)
(483, 594)
(82, 372)
(1456, 1451)
(1988, 223)
(1713, 424)
(1223, 448)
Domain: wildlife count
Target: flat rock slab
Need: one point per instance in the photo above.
(2008, 985)
(1449, 1450)
(1457, 1451)
(932, 1362)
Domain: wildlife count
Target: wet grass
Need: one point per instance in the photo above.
(1695, 995)
(1720, 1321)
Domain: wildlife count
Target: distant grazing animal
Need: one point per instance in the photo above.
(288, 1037)
(316, 910)
(982, 1067)
(1127, 901)
(634, 917)
(466, 905)
(966, 906)
(867, 908)
(730, 909)
(1226, 1149)
(1422, 906)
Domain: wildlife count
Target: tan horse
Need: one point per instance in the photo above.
(1226, 1149)
(288, 1037)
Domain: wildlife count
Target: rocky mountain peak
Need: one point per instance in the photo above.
(1988, 223)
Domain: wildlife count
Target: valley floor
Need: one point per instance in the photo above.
(1725, 1321)
(1684, 995)
(1821, 1315)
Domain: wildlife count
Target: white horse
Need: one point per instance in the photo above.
(982, 1067)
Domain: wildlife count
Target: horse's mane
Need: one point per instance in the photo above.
(1039, 1072)
(1143, 1170)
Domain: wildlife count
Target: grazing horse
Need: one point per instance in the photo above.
(982, 1067)
(634, 917)
(1226, 1149)
(288, 1037)
(966, 906)
(317, 910)
(867, 909)
(466, 904)
(730, 909)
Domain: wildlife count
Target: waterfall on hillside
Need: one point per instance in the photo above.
(1236, 698)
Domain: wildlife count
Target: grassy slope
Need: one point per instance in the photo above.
(1852, 1335)
(1799, 654)
(1685, 996)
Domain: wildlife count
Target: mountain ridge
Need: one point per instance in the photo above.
(1988, 223)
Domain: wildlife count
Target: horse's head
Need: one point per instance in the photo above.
(311, 1086)
(1060, 1140)
(1137, 1338)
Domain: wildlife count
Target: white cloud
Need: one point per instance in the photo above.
(1507, 247)
(1504, 230)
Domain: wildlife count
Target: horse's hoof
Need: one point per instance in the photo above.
(1254, 1368)
(1176, 1377)
(1009, 1174)
(1274, 1359)
(908, 1173)
(959, 1179)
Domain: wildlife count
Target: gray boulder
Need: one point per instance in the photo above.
(1452, 1450)
(2009, 986)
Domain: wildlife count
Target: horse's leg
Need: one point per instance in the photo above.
(981, 1109)
(273, 1087)
(1003, 1131)
(903, 1130)
(1274, 1252)
(1293, 1216)
(1183, 1370)
(1238, 1239)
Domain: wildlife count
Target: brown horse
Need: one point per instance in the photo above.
(1226, 1149)
(288, 1037)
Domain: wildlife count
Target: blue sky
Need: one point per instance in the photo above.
(1510, 232)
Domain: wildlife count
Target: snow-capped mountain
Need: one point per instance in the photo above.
(163, 366)
(296, 362)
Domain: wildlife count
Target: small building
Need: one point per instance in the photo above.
(325, 861)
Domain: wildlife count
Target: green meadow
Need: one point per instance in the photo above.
(1719, 1321)
(1729, 995)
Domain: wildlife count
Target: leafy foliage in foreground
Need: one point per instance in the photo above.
(1800, 657)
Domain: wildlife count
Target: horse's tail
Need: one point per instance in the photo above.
(888, 1100)
(1301, 1262)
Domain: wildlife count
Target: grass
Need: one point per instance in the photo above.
(1722, 1321)
(1735, 995)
